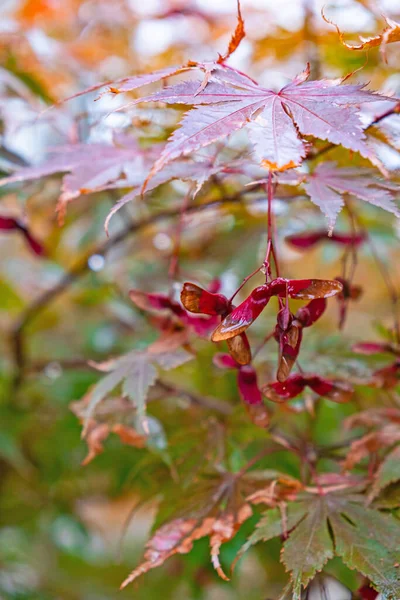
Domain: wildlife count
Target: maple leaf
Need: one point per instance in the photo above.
(385, 425)
(236, 38)
(215, 506)
(373, 417)
(225, 73)
(197, 171)
(313, 537)
(13, 224)
(97, 433)
(91, 167)
(367, 540)
(387, 473)
(137, 373)
(371, 443)
(327, 184)
(111, 415)
(308, 239)
(389, 35)
(330, 524)
(96, 167)
(325, 109)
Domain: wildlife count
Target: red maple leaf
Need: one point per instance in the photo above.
(308, 239)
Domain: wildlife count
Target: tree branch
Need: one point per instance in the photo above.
(81, 267)
(208, 402)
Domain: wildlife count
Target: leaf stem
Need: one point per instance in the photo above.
(270, 228)
(245, 280)
(81, 267)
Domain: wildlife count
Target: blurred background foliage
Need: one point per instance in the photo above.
(65, 529)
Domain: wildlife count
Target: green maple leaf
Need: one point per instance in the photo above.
(335, 524)
(309, 547)
(388, 472)
(137, 373)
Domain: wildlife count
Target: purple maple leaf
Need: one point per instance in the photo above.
(90, 167)
(327, 184)
(325, 109)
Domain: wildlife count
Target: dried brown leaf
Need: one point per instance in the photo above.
(389, 35)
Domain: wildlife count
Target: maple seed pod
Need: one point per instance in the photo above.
(316, 288)
(247, 312)
(282, 391)
(325, 587)
(239, 349)
(289, 353)
(197, 300)
(191, 296)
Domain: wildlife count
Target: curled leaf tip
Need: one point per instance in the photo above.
(236, 38)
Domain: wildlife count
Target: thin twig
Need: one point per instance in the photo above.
(81, 267)
(173, 270)
(204, 401)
